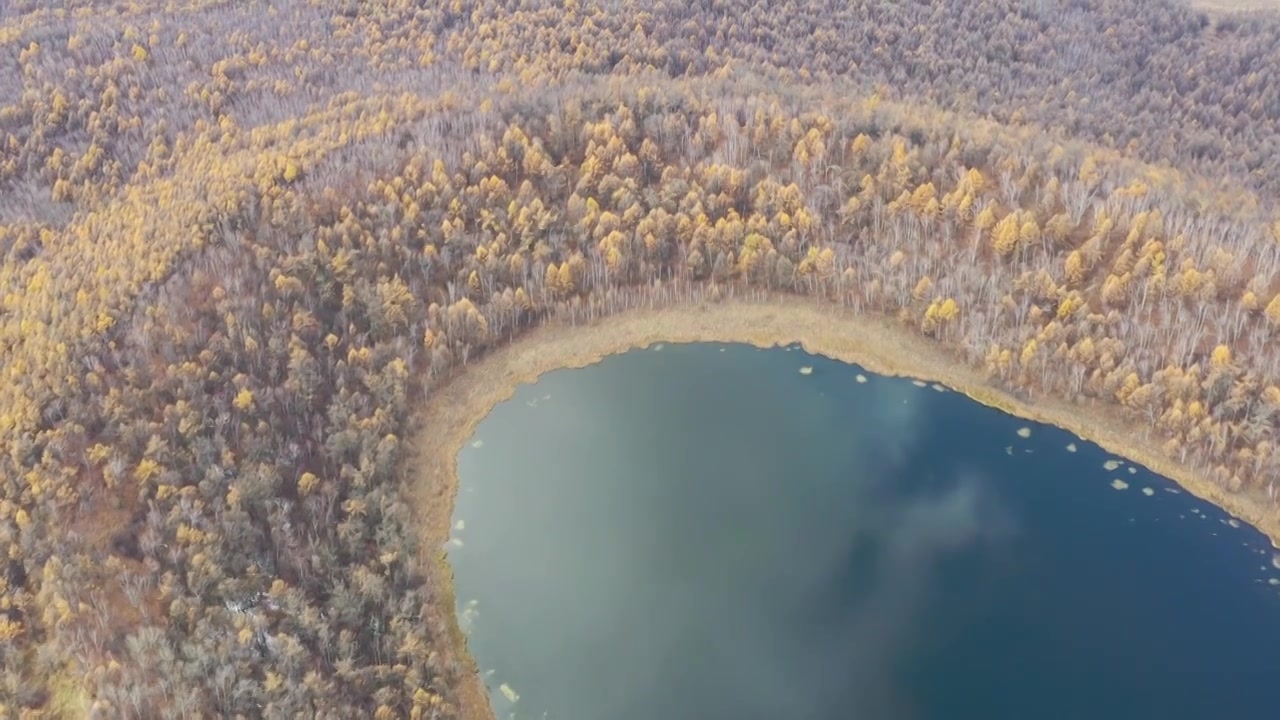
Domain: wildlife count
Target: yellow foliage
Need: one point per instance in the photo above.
(1069, 306)
(1273, 310)
(243, 399)
(938, 313)
(1029, 232)
(922, 196)
(9, 630)
(1220, 357)
(1004, 238)
(1130, 384)
(564, 279)
(1196, 410)
(146, 470)
(1029, 352)
(922, 288)
(1249, 301)
(1114, 288)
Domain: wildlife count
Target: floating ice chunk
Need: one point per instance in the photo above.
(460, 525)
(455, 542)
(508, 693)
(1233, 523)
(478, 444)
(1110, 465)
(1148, 492)
(939, 388)
(1024, 432)
(918, 383)
(1071, 447)
(658, 347)
(1119, 484)
(806, 370)
(1133, 470)
(861, 378)
(467, 618)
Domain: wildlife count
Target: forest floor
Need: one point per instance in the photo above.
(457, 405)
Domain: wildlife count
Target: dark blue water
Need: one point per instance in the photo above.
(710, 532)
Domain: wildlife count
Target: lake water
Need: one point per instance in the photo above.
(720, 532)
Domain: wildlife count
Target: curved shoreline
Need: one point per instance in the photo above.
(452, 410)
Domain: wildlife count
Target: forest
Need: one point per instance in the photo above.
(241, 240)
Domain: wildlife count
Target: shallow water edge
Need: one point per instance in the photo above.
(457, 405)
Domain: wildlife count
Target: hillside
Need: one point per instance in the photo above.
(241, 240)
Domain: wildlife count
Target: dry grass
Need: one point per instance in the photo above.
(454, 409)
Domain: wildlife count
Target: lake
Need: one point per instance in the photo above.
(712, 532)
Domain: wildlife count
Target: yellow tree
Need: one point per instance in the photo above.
(1029, 352)
(986, 219)
(938, 314)
(922, 288)
(1220, 358)
(1075, 267)
(1004, 238)
(1273, 310)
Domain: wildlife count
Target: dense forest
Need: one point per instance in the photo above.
(239, 240)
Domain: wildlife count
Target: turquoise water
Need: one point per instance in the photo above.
(709, 531)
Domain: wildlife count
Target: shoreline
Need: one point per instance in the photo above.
(454, 409)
